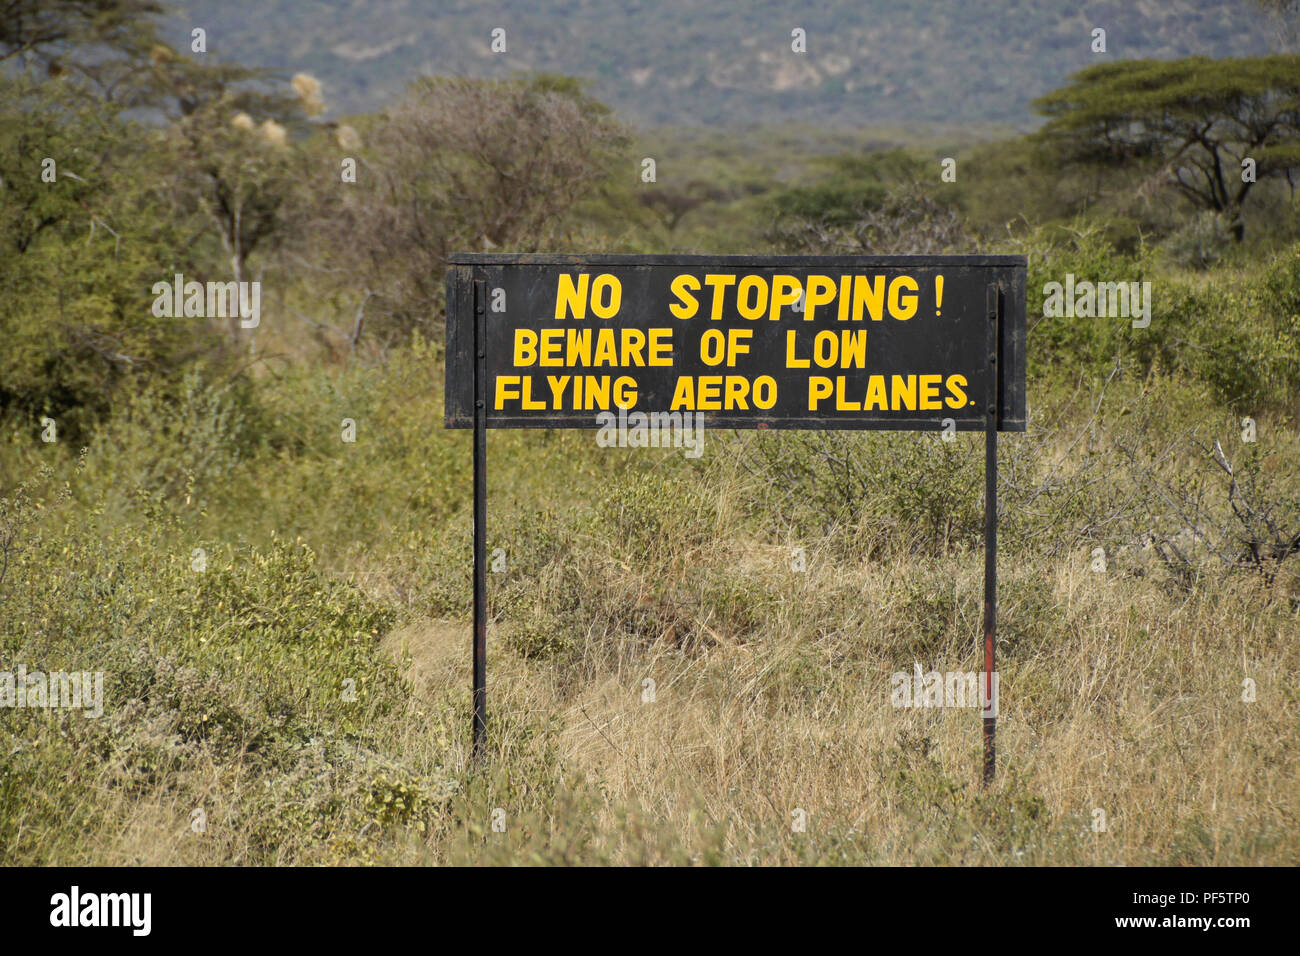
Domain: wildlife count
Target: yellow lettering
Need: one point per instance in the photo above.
(633, 346)
(525, 348)
(791, 361)
(579, 352)
(759, 306)
(658, 348)
(785, 291)
(625, 391)
(683, 395)
(735, 344)
(904, 388)
(507, 388)
(897, 307)
(957, 391)
(552, 340)
(853, 348)
(819, 387)
(719, 284)
(841, 403)
(708, 394)
(682, 287)
(605, 352)
(877, 399)
(872, 297)
(930, 392)
(557, 383)
(606, 284)
(737, 389)
(821, 291)
(526, 401)
(570, 297)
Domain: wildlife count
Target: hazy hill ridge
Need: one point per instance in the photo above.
(683, 62)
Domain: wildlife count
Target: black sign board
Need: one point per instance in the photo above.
(752, 342)
(859, 342)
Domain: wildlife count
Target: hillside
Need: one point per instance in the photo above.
(672, 63)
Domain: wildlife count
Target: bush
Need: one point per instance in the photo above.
(1201, 243)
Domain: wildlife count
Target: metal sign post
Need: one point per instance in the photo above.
(480, 522)
(904, 343)
(991, 538)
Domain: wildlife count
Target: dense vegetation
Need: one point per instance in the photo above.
(282, 614)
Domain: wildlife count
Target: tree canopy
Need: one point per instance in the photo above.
(1210, 129)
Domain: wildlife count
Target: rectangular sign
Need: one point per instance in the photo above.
(858, 342)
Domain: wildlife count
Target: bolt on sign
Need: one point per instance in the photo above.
(918, 343)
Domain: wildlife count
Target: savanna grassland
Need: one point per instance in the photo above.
(283, 617)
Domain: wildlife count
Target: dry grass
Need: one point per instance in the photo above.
(1131, 705)
(1121, 693)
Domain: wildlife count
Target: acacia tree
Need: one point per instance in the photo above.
(671, 202)
(84, 233)
(877, 204)
(236, 167)
(144, 196)
(456, 165)
(111, 50)
(75, 34)
(1210, 129)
